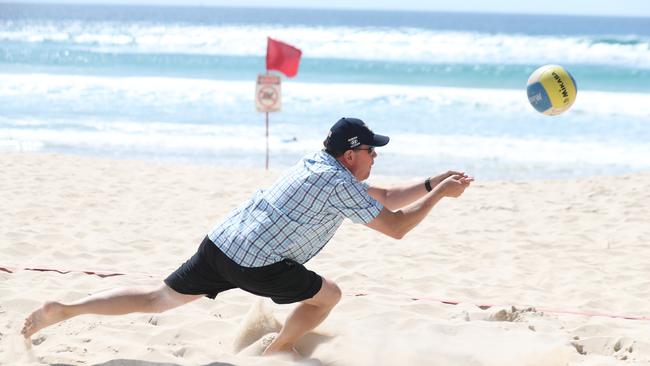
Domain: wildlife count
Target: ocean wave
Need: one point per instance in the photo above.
(183, 140)
(358, 43)
(199, 99)
(203, 100)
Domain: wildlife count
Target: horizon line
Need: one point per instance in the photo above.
(309, 8)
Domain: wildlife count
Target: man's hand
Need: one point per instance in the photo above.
(455, 184)
(435, 180)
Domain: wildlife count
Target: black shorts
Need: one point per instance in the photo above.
(210, 272)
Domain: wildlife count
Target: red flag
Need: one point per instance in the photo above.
(282, 57)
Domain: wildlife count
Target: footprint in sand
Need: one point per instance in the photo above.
(38, 340)
(153, 320)
(512, 315)
(620, 348)
(180, 352)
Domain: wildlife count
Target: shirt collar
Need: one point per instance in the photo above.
(326, 157)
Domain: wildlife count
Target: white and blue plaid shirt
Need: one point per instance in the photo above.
(297, 215)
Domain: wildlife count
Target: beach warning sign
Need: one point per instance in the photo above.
(267, 93)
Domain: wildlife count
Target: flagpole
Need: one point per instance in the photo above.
(267, 140)
(267, 132)
(284, 58)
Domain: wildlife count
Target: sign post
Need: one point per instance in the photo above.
(280, 57)
(268, 98)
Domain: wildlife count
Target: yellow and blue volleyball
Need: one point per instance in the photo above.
(551, 90)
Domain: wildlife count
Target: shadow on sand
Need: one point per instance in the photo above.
(307, 346)
(124, 362)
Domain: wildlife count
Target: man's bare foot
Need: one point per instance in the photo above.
(271, 347)
(48, 314)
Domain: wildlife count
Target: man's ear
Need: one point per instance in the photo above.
(348, 155)
(346, 158)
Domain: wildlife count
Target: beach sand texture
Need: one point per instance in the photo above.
(545, 247)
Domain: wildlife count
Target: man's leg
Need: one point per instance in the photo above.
(305, 317)
(112, 302)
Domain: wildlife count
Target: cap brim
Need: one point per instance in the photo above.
(379, 140)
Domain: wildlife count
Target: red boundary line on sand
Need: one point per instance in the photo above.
(94, 273)
(359, 294)
(542, 309)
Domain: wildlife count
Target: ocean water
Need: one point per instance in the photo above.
(177, 84)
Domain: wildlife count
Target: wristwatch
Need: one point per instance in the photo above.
(427, 184)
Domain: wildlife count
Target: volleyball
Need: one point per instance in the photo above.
(551, 90)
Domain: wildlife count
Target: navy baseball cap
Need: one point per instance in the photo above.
(349, 133)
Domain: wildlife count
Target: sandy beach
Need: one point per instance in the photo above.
(546, 255)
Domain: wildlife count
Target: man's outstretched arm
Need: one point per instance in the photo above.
(398, 197)
(397, 223)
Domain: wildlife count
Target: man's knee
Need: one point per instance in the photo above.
(165, 298)
(336, 294)
(156, 301)
(328, 295)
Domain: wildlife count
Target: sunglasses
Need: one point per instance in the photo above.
(370, 149)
